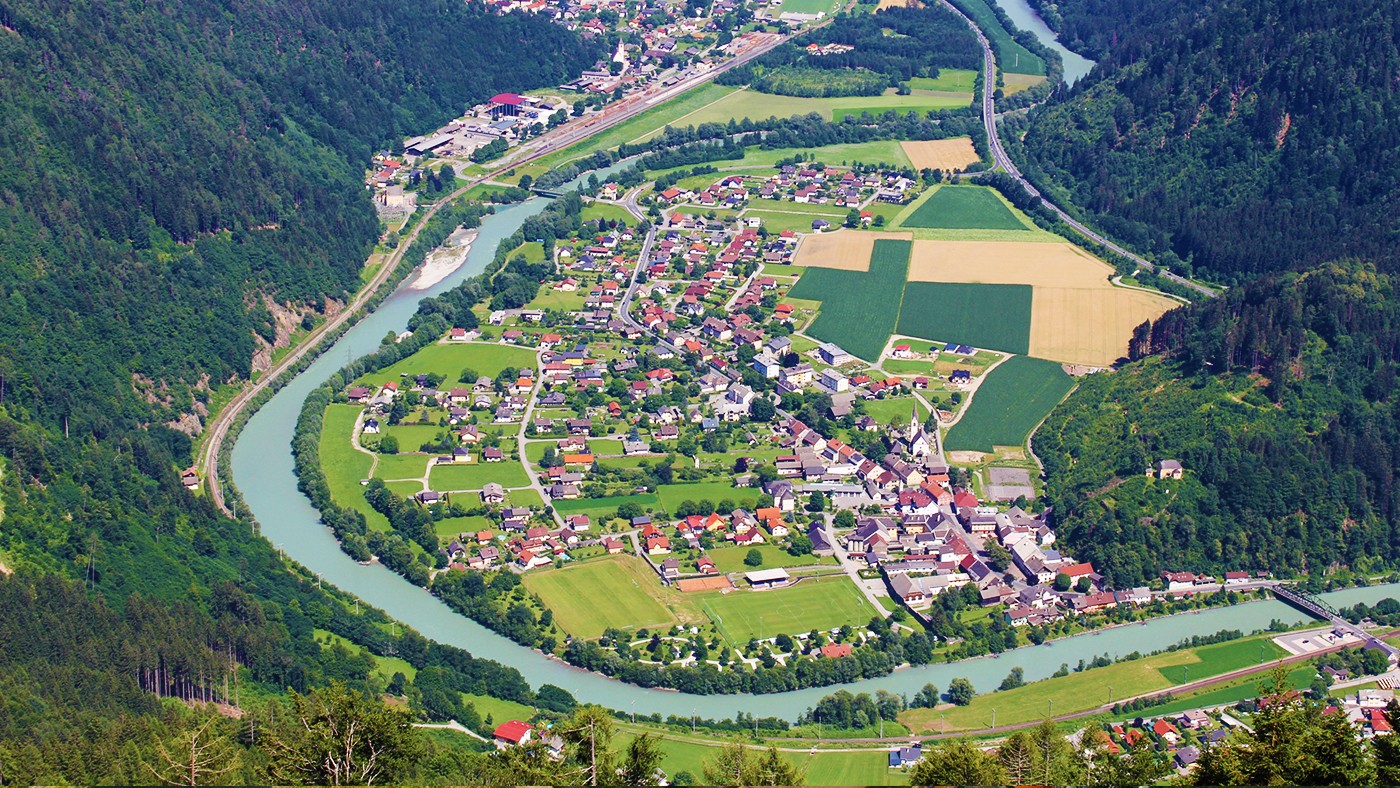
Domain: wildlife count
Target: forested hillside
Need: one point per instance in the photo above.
(1235, 137)
(159, 163)
(163, 166)
(1278, 398)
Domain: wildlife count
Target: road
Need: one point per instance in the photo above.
(1004, 161)
(568, 134)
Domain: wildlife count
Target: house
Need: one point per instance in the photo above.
(1186, 756)
(836, 650)
(1168, 469)
(903, 756)
(832, 354)
(492, 492)
(428, 498)
(512, 733)
(613, 546)
(578, 522)
(190, 479)
(658, 545)
(671, 569)
(706, 566)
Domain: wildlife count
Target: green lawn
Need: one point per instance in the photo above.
(401, 466)
(1010, 56)
(409, 436)
(500, 710)
(797, 221)
(859, 308)
(886, 151)
(821, 768)
(828, 211)
(604, 507)
(590, 597)
(343, 466)
(474, 476)
(809, 605)
(1088, 689)
(671, 495)
(962, 80)
(450, 359)
(807, 6)
(673, 112)
(451, 526)
(894, 410)
(526, 497)
(963, 207)
(731, 559)
(761, 106)
(549, 298)
(984, 316)
(1009, 403)
(606, 212)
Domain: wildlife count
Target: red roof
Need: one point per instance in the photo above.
(836, 650)
(512, 731)
(509, 99)
(965, 500)
(1078, 570)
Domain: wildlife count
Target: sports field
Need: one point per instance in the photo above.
(859, 310)
(449, 359)
(809, 605)
(989, 316)
(963, 208)
(945, 155)
(1011, 400)
(616, 591)
(761, 106)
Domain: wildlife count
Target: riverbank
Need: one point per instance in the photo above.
(444, 261)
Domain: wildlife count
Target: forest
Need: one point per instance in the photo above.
(1277, 398)
(163, 172)
(1234, 137)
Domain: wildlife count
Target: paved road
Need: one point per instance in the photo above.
(561, 137)
(1000, 157)
(520, 439)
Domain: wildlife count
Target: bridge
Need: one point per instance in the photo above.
(1317, 608)
(546, 192)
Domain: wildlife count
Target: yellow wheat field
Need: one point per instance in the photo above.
(945, 155)
(1077, 315)
(847, 250)
(1015, 83)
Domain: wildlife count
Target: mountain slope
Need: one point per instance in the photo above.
(1278, 398)
(1240, 136)
(162, 163)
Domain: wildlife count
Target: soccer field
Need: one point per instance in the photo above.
(809, 605)
(616, 591)
(1009, 403)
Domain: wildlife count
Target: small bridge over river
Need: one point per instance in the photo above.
(1314, 606)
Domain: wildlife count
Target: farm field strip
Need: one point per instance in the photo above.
(1009, 403)
(947, 155)
(859, 310)
(591, 597)
(962, 207)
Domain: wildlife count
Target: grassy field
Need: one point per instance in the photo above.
(606, 212)
(401, 466)
(761, 106)
(615, 591)
(1086, 690)
(963, 207)
(451, 526)
(671, 495)
(500, 710)
(990, 316)
(731, 559)
(807, 6)
(604, 507)
(449, 360)
(961, 80)
(673, 113)
(869, 767)
(475, 475)
(1011, 56)
(343, 466)
(809, 605)
(886, 151)
(1009, 403)
(894, 410)
(859, 309)
(796, 221)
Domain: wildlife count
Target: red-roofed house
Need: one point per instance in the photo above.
(512, 733)
(835, 650)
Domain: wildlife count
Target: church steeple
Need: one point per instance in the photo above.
(914, 429)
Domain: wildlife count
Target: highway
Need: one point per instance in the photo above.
(1004, 161)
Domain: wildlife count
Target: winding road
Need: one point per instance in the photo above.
(1002, 160)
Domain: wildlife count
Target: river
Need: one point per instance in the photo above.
(1025, 17)
(263, 473)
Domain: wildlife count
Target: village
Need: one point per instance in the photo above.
(657, 411)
